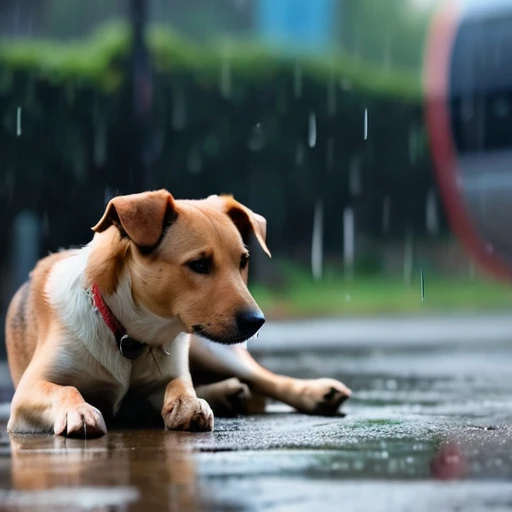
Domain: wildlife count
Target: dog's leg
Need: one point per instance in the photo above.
(175, 396)
(183, 410)
(41, 406)
(319, 396)
(228, 397)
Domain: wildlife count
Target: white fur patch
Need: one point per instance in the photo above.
(86, 332)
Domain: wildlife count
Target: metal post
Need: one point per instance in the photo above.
(142, 90)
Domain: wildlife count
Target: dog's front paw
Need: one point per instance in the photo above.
(322, 396)
(188, 413)
(80, 421)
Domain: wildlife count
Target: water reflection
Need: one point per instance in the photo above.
(149, 470)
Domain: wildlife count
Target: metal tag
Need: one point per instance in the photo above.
(131, 349)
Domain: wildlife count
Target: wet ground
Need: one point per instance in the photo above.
(429, 427)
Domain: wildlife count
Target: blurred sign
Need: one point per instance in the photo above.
(304, 25)
(468, 84)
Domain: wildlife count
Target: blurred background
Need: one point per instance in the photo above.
(311, 112)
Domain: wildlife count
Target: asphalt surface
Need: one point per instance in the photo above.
(429, 427)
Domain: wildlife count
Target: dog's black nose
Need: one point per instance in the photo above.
(249, 322)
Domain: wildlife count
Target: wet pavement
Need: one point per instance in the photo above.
(429, 427)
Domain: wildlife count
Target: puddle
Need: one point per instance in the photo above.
(414, 436)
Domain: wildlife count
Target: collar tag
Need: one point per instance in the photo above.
(131, 349)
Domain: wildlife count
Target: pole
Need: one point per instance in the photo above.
(142, 100)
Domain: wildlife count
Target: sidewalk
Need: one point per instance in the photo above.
(417, 418)
(332, 333)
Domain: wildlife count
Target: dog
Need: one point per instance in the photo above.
(162, 281)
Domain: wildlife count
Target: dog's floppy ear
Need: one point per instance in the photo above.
(244, 219)
(142, 217)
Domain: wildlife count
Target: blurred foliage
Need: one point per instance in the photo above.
(369, 295)
(280, 133)
(389, 33)
(94, 59)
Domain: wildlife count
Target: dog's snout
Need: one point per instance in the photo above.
(249, 321)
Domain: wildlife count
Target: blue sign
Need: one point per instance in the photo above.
(305, 25)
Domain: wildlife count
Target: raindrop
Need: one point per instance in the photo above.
(194, 161)
(179, 115)
(297, 80)
(317, 241)
(348, 297)
(25, 244)
(354, 176)
(18, 121)
(348, 242)
(312, 130)
(365, 124)
(257, 138)
(299, 154)
(422, 286)
(432, 220)
(408, 256)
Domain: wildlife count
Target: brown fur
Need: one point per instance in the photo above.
(28, 317)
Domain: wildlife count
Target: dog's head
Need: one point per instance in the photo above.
(184, 258)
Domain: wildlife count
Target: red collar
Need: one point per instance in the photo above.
(129, 348)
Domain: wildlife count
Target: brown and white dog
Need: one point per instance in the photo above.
(97, 326)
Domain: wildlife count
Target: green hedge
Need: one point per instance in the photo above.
(92, 60)
(229, 117)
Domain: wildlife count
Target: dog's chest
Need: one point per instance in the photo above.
(107, 377)
(104, 380)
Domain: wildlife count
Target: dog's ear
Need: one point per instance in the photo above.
(244, 219)
(142, 217)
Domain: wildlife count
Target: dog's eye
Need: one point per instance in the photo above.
(244, 260)
(200, 266)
